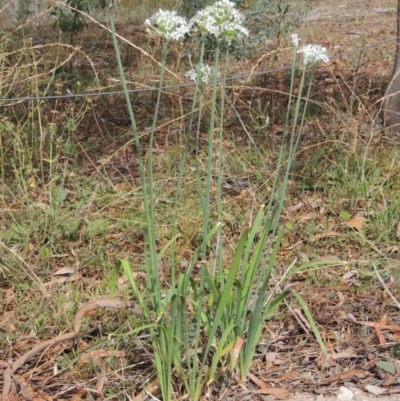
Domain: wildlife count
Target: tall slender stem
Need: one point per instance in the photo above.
(210, 156)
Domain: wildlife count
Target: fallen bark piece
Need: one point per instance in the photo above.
(375, 390)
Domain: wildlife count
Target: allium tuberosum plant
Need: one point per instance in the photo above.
(214, 323)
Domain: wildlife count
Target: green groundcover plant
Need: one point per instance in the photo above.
(200, 327)
(71, 16)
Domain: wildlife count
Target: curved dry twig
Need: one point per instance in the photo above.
(73, 335)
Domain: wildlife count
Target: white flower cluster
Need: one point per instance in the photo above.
(205, 72)
(220, 19)
(314, 54)
(168, 24)
(295, 40)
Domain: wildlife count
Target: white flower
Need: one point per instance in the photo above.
(205, 72)
(168, 24)
(314, 54)
(220, 19)
(295, 40)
